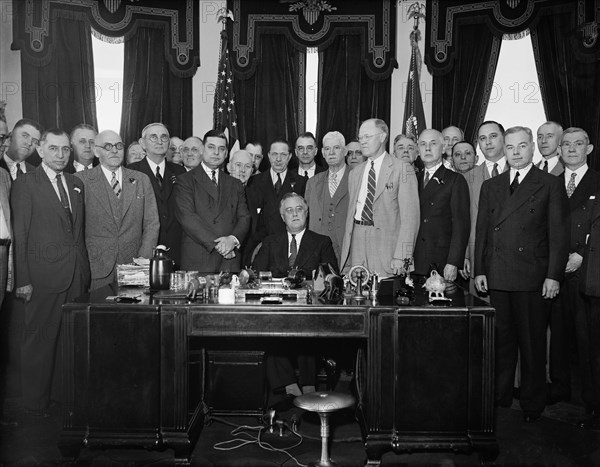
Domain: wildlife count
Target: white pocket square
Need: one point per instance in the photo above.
(77, 189)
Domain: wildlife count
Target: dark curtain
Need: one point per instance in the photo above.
(347, 95)
(268, 101)
(61, 93)
(569, 84)
(461, 96)
(151, 92)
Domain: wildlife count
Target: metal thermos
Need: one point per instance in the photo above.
(161, 267)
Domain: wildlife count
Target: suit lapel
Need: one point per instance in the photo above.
(342, 189)
(526, 189)
(158, 191)
(206, 183)
(433, 184)
(129, 190)
(98, 189)
(75, 196)
(282, 252)
(384, 175)
(582, 192)
(306, 250)
(47, 192)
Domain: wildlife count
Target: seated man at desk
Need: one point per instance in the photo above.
(298, 248)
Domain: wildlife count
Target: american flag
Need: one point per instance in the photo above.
(224, 114)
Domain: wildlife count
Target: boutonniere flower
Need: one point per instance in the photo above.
(592, 197)
(258, 210)
(293, 184)
(440, 182)
(77, 189)
(389, 186)
(133, 181)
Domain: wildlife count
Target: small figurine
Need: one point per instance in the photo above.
(435, 285)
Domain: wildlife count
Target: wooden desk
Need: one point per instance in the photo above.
(425, 380)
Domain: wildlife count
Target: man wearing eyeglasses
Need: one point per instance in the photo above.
(82, 142)
(265, 193)
(240, 166)
(155, 141)
(296, 248)
(21, 145)
(3, 134)
(306, 150)
(211, 207)
(383, 211)
(354, 155)
(191, 152)
(51, 264)
(121, 218)
(174, 152)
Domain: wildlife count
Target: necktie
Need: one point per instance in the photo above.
(159, 176)
(515, 183)
(546, 166)
(214, 178)
(278, 184)
(85, 167)
(426, 179)
(495, 170)
(367, 212)
(293, 251)
(19, 171)
(571, 185)
(114, 183)
(306, 173)
(332, 184)
(64, 200)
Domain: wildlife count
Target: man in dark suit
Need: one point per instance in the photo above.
(297, 248)
(327, 193)
(6, 281)
(21, 146)
(548, 139)
(265, 194)
(83, 138)
(155, 141)
(51, 263)
(590, 288)
(568, 322)
(444, 205)
(521, 249)
(211, 208)
(121, 221)
(306, 151)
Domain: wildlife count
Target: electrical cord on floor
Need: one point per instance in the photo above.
(243, 438)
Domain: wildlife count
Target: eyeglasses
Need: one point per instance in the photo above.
(305, 148)
(64, 149)
(176, 148)
(154, 138)
(296, 210)
(575, 144)
(367, 137)
(193, 150)
(110, 146)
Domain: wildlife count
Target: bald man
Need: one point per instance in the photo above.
(241, 165)
(121, 221)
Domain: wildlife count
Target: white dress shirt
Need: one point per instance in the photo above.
(362, 193)
(153, 167)
(12, 166)
(209, 172)
(108, 175)
(501, 166)
(79, 167)
(274, 176)
(52, 176)
(580, 173)
(298, 241)
(310, 171)
(522, 173)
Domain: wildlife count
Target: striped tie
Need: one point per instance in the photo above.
(214, 178)
(426, 179)
(114, 183)
(332, 184)
(367, 212)
(293, 251)
(495, 170)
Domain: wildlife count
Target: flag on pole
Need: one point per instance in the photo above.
(224, 113)
(414, 115)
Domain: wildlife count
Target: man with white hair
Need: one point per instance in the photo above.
(327, 193)
(191, 151)
(155, 141)
(241, 165)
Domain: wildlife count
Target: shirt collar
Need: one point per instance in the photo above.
(50, 172)
(209, 171)
(580, 172)
(274, 175)
(153, 166)
(522, 172)
(501, 165)
(108, 173)
(434, 169)
(339, 174)
(299, 236)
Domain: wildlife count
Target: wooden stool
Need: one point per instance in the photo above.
(324, 403)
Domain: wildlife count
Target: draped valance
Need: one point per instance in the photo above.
(314, 23)
(32, 20)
